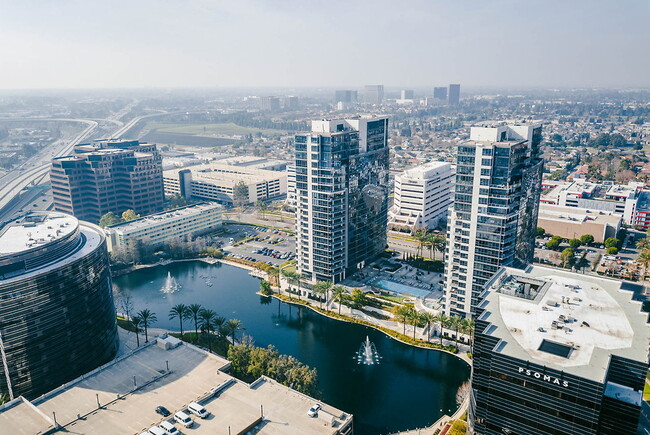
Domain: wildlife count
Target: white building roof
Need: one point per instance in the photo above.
(161, 218)
(588, 318)
(35, 231)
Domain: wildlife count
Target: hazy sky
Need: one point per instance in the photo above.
(191, 43)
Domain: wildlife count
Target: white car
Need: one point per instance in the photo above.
(313, 411)
(184, 419)
(169, 428)
(198, 410)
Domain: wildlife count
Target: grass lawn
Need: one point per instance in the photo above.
(396, 299)
(227, 129)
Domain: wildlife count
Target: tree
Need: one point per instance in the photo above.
(129, 215)
(321, 288)
(219, 325)
(338, 294)
(234, 325)
(612, 242)
(441, 319)
(261, 207)
(468, 328)
(194, 312)
(644, 261)
(240, 194)
(109, 219)
(612, 250)
(415, 320)
(456, 324)
(553, 244)
(575, 243)
(403, 313)
(567, 257)
(148, 318)
(293, 278)
(643, 243)
(265, 288)
(136, 322)
(540, 232)
(587, 239)
(176, 201)
(358, 298)
(430, 319)
(206, 319)
(182, 312)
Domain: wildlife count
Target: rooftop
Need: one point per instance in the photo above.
(34, 230)
(427, 170)
(227, 175)
(563, 320)
(164, 217)
(576, 215)
(129, 389)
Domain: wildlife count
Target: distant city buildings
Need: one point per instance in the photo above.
(422, 196)
(341, 196)
(345, 96)
(440, 93)
(454, 95)
(57, 316)
(218, 182)
(373, 94)
(108, 176)
(557, 352)
(270, 104)
(493, 220)
(406, 94)
(155, 229)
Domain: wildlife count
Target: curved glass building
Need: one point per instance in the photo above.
(57, 317)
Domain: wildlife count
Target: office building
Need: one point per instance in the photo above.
(422, 197)
(217, 182)
(291, 185)
(406, 94)
(373, 94)
(557, 353)
(629, 201)
(493, 220)
(121, 397)
(440, 93)
(454, 95)
(57, 317)
(270, 104)
(572, 222)
(345, 96)
(341, 196)
(108, 176)
(156, 229)
(291, 102)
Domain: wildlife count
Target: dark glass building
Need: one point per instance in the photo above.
(341, 196)
(57, 317)
(493, 220)
(557, 352)
(108, 176)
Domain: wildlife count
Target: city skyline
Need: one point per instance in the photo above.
(96, 45)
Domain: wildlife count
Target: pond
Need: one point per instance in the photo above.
(409, 388)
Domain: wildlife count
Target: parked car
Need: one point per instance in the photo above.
(162, 411)
(184, 419)
(313, 411)
(169, 428)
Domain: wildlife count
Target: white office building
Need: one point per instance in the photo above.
(422, 196)
(216, 182)
(156, 229)
(493, 219)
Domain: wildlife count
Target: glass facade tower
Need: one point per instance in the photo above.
(341, 196)
(494, 217)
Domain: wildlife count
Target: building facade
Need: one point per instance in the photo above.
(155, 229)
(440, 93)
(57, 316)
(557, 353)
(108, 176)
(572, 223)
(341, 196)
(493, 220)
(422, 196)
(218, 182)
(345, 96)
(373, 94)
(454, 95)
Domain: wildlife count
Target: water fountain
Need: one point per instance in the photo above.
(171, 285)
(367, 353)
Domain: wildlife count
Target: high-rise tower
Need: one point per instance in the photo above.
(454, 95)
(341, 196)
(494, 217)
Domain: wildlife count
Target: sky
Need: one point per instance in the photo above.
(54, 44)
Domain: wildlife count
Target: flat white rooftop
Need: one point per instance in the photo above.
(227, 175)
(130, 388)
(165, 217)
(35, 230)
(565, 321)
(426, 170)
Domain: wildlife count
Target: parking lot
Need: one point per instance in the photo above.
(271, 246)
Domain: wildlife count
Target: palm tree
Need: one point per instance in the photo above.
(206, 319)
(321, 288)
(415, 319)
(456, 323)
(194, 311)
(291, 276)
(148, 318)
(644, 243)
(136, 322)
(234, 325)
(468, 328)
(441, 319)
(429, 318)
(644, 260)
(265, 288)
(420, 237)
(440, 243)
(181, 311)
(338, 294)
(403, 313)
(218, 323)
